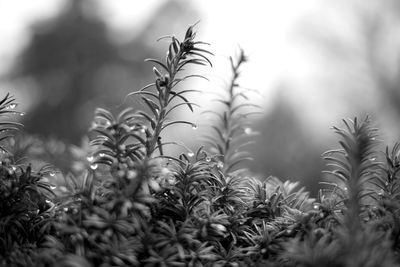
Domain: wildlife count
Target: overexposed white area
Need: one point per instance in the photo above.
(268, 30)
(262, 28)
(15, 20)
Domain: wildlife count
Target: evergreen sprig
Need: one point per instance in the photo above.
(166, 98)
(134, 205)
(7, 127)
(232, 126)
(356, 164)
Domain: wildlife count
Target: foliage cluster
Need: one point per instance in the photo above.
(130, 204)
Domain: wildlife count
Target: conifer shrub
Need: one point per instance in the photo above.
(125, 202)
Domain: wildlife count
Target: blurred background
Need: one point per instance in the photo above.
(313, 61)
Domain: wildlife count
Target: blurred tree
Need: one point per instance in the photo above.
(363, 57)
(76, 67)
(63, 56)
(361, 65)
(285, 148)
(379, 39)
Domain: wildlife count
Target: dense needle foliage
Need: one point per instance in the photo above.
(127, 203)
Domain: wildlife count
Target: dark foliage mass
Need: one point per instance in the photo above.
(127, 203)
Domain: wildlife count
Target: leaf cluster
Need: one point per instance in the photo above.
(132, 204)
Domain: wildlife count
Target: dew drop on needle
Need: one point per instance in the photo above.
(248, 130)
(93, 166)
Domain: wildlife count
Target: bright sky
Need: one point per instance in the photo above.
(264, 28)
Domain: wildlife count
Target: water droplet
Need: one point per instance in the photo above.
(53, 187)
(208, 159)
(316, 206)
(90, 158)
(94, 125)
(194, 126)
(103, 123)
(143, 129)
(131, 175)
(48, 201)
(14, 168)
(52, 174)
(11, 106)
(190, 154)
(22, 114)
(373, 159)
(93, 166)
(345, 189)
(65, 209)
(220, 165)
(248, 130)
(102, 154)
